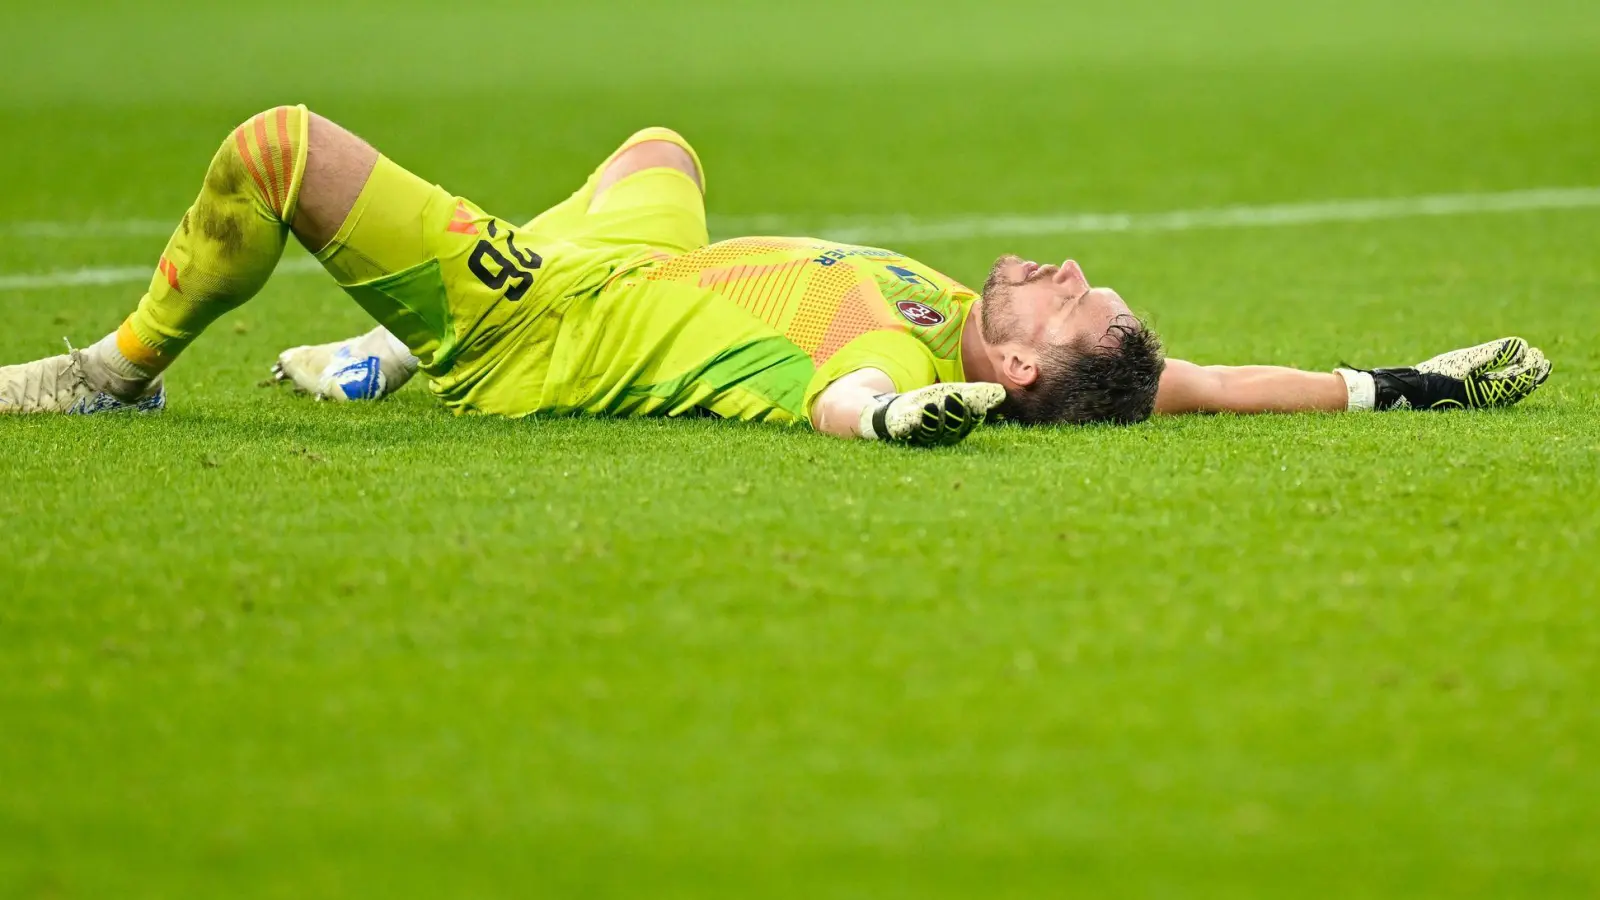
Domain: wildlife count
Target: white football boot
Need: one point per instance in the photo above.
(74, 384)
(369, 367)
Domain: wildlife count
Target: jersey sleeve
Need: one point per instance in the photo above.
(907, 361)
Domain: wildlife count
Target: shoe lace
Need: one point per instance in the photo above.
(74, 377)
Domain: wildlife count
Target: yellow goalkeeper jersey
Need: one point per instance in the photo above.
(754, 328)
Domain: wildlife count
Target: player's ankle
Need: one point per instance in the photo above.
(107, 369)
(395, 349)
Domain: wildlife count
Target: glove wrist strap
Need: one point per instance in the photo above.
(874, 423)
(1362, 390)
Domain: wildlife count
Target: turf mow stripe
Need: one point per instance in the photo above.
(911, 229)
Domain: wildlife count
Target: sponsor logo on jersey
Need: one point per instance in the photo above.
(906, 275)
(841, 253)
(461, 220)
(920, 313)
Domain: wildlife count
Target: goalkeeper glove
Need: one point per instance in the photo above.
(1499, 373)
(935, 416)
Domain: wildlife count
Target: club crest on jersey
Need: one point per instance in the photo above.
(920, 313)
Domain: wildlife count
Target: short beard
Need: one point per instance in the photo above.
(997, 321)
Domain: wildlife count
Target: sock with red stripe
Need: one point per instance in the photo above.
(223, 251)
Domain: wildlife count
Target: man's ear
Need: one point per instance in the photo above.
(1019, 366)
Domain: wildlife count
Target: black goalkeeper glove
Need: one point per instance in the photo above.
(1499, 373)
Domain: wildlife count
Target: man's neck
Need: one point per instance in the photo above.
(975, 363)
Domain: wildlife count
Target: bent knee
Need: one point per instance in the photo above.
(267, 121)
(264, 157)
(657, 148)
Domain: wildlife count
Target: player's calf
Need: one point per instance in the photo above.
(222, 252)
(280, 170)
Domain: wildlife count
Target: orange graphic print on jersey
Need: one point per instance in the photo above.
(823, 295)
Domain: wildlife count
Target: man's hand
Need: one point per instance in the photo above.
(935, 416)
(1499, 373)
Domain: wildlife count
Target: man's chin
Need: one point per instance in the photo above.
(997, 274)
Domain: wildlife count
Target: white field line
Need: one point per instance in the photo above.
(909, 229)
(912, 229)
(118, 275)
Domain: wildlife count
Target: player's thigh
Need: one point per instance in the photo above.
(653, 203)
(338, 165)
(441, 274)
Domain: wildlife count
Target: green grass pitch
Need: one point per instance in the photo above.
(260, 646)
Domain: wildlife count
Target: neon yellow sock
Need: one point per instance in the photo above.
(228, 243)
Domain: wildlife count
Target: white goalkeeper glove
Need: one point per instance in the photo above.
(1499, 373)
(935, 416)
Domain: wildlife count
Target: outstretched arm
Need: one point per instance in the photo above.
(1498, 373)
(1188, 388)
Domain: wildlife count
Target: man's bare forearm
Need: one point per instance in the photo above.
(1188, 388)
(837, 410)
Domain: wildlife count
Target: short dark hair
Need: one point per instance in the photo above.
(1112, 381)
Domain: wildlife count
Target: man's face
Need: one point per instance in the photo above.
(1032, 306)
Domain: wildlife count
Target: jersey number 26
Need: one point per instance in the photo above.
(497, 271)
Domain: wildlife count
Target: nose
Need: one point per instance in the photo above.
(1070, 277)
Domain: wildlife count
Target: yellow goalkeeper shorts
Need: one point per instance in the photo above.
(474, 296)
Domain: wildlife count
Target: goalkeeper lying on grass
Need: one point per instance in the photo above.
(616, 303)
